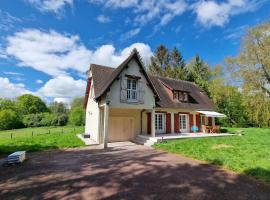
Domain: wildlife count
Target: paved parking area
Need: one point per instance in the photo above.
(124, 171)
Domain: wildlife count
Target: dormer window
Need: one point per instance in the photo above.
(181, 96)
(132, 95)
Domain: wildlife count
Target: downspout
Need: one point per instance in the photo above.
(142, 119)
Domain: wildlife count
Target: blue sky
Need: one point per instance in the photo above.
(47, 45)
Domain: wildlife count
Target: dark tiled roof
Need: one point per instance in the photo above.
(104, 76)
(101, 75)
(202, 100)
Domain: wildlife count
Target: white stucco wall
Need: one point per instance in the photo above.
(92, 116)
(114, 94)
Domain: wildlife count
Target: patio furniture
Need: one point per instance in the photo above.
(204, 129)
(216, 129)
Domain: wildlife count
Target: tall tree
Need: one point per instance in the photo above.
(253, 62)
(199, 72)
(29, 104)
(177, 62)
(160, 62)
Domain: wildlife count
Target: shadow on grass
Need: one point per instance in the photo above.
(259, 173)
(122, 173)
(217, 162)
(7, 149)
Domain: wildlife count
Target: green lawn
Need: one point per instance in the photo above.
(248, 154)
(36, 139)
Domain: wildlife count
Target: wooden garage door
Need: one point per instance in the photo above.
(121, 129)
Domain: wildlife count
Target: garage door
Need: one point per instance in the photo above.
(121, 129)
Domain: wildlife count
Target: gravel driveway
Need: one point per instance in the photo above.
(124, 171)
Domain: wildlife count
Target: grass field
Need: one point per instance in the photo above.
(248, 154)
(36, 139)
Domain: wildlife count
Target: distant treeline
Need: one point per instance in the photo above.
(30, 111)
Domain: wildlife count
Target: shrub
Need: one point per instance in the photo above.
(9, 120)
(77, 116)
(59, 120)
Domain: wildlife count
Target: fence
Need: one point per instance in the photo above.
(34, 132)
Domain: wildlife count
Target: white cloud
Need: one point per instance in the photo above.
(50, 52)
(55, 54)
(11, 90)
(39, 81)
(148, 10)
(130, 34)
(62, 88)
(7, 21)
(50, 5)
(13, 73)
(103, 19)
(211, 13)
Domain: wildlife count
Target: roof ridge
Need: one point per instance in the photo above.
(172, 79)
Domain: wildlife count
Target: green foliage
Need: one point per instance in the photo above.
(9, 119)
(59, 120)
(249, 154)
(77, 112)
(45, 119)
(77, 116)
(199, 72)
(29, 104)
(58, 108)
(8, 104)
(230, 102)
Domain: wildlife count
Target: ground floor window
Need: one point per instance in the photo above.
(159, 122)
(183, 123)
(203, 120)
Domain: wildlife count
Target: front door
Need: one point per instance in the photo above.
(160, 123)
(184, 123)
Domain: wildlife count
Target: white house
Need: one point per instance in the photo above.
(126, 101)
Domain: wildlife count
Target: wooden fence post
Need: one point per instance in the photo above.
(32, 133)
(11, 135)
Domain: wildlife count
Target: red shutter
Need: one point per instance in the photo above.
(190, 121)
(168, 123)
(209, 121)
(176, 123)
(149, 123)
(87, 93)
(198, 122)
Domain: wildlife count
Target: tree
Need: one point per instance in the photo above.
(160, 62)
(178, 64)
(199, 72)
(230, 102)
(252, 69)
(29, 104)
(58, 108)
(9, 119)
(77, 112)
(253, 62)
(8, 104)
(77, 116)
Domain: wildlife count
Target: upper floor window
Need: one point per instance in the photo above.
(181, 96)
(132, 85)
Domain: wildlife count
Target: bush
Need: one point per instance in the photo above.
(77, 116)
(9, 120)
(60, 120)
(45, 119)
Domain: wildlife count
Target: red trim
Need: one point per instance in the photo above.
(176, 123)
(168, 123)
(209, 121)
(148, 123)
(86, 96)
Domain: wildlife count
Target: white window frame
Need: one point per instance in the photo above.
(132, 92)
(160, 122)
(187, 123)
